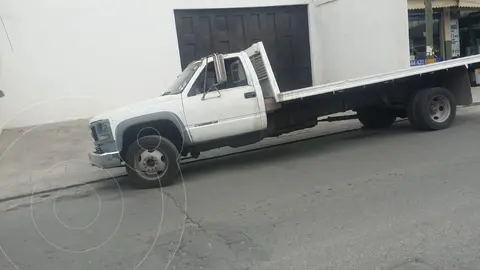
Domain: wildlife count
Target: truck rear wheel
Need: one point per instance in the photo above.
(432, 109)
(376, 118)
(152, 161)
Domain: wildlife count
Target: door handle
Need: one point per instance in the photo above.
(250, 94)
(204, 97)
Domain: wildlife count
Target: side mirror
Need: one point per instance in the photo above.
(220, 70)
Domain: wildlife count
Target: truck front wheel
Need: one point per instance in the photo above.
(152, 161)
(432, 109)
(376, 118)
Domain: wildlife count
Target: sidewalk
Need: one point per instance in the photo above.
(53, 156)
(46, 157)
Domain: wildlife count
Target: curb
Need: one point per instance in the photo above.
(477, 103)
(40, 192)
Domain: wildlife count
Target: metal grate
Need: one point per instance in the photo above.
(259, 66)
(98, 149)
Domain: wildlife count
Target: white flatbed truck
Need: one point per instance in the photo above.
(234, 100)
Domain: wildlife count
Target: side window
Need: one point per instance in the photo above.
(236, 73)
(236, 77)
(199, 84)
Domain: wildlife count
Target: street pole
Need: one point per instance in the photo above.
(429, 31)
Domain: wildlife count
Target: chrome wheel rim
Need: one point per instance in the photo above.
(151, 164)
(439, 108)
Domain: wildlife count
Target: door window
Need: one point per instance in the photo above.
(236, 77)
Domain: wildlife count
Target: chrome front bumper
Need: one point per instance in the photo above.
(106, 160)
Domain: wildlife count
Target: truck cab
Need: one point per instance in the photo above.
(216, 101)
(216, 109)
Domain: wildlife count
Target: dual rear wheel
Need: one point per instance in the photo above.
(432, 109)
(427, 109)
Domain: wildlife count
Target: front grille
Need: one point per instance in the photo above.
(98, 149)
(94, 133)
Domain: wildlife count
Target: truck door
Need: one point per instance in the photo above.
(225, 110)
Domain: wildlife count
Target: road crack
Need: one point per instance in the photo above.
(204, 245)
(188, 218)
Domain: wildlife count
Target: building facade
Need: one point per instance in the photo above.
(73, 59)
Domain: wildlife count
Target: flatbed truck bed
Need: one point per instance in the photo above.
(387, 77)
(234, 100)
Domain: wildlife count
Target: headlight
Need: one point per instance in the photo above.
(101, 130)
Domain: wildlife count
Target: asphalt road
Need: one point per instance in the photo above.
(395, 199)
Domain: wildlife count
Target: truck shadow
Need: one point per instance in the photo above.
(314, 146)
(317, 144)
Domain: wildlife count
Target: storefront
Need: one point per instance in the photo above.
(470, 33)
(416, 26)
(454, 35)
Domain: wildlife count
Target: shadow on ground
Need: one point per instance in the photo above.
(323, 145)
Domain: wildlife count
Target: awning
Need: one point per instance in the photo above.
(469, 3)
(420, 4)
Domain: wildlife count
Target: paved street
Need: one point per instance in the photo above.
(396, 199)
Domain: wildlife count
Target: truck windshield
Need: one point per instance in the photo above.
(182, 80)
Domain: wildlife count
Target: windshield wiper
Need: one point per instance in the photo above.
(166, 93)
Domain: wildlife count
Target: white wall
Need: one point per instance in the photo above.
(361, 37)
(74, 59)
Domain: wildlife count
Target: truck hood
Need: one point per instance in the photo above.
(162, 103)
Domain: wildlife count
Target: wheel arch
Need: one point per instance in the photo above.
(458, 83)
(159, 120)
(456, 80)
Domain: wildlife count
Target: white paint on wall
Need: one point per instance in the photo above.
(74, 59)
(360, 38)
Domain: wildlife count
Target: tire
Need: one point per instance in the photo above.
(376, 118)
(154, 154)
(412, 118)
(432, 109)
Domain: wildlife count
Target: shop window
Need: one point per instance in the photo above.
(416, 23)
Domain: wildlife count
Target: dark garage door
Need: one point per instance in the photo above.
(283, 30)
